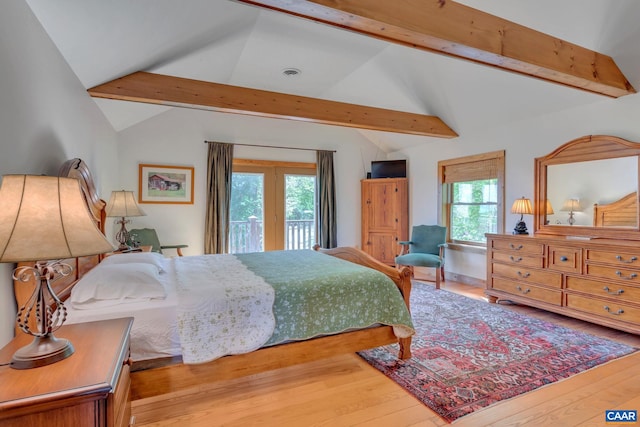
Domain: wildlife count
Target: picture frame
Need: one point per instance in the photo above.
(165, 184)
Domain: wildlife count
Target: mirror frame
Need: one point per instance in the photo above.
(586, 148)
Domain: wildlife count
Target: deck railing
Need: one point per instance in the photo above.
(246, 236)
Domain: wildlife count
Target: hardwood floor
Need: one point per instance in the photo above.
(346, 391)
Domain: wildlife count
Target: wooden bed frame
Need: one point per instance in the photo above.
(621, 213)
(178, 378)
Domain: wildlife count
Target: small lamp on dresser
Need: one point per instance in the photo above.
(44, 219)
(123, 204)
(521, 206)
(572, 206)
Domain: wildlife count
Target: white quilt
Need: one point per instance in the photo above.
(223, 308)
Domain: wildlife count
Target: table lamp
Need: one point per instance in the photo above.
(521, 206)
(123, 204)
(572, 206)
(44, 219)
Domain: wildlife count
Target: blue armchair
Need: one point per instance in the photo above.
(425, 249)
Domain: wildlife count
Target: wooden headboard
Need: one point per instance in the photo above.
(62, 285)
(621, 213)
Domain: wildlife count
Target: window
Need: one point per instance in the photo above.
(472, 194)
(272, 206)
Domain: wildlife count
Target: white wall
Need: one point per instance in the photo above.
(46, 117)
(177, 138)
(523, 141)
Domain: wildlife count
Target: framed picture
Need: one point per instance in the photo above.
(165, 184)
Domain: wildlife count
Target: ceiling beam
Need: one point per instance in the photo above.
(180, 92)
(453, 29)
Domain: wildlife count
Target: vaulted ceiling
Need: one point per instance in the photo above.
(232, 43)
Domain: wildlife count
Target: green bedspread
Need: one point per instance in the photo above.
(318, 294)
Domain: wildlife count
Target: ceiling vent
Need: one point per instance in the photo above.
(291, 72)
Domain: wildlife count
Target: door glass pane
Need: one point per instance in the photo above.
(300, 222)
(246, 213)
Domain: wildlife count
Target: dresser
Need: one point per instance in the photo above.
(597, 280)
(385, 217)
(89, 388)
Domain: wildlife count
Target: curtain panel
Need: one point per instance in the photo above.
(219, 172)
(326, 196)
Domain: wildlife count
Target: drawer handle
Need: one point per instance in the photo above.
(564, 258)
(515, 248)
(617, 313)
(629, 261)
(618, 292)
(523, 275)
(514, 259)
(523, 291)
(629, 277)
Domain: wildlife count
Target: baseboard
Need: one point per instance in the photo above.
(467, 280)
(428, 276)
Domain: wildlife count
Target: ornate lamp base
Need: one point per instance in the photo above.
(521, 228)
(41, 352)
(45, 348)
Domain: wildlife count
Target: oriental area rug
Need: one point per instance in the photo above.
(469, 354)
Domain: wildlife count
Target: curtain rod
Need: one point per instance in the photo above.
(273, 146)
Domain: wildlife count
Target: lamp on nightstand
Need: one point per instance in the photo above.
(521, 206)
(123, 204)
(44, 219)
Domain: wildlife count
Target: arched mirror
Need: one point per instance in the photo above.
(588, 187)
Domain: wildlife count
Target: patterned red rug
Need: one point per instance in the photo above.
(469, 354)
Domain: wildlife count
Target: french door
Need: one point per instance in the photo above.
(272, 206)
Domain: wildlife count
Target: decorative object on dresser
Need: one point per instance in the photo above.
(521, 206)
(92, 388)
(44, 219)
(425, 249)
(123, 204)
(385, 217)
(572, 206)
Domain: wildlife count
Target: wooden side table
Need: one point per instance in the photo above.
(92, 387)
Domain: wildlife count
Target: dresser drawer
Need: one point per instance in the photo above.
(614, 257)
(614, 273)
(527, 290)
(565, 259)
(518, 259)
(604, 308)
(603, 289)
(518, 246)
(528, 275)
(121, 404)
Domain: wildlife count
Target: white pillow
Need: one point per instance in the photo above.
(153, 258)
(116, 284)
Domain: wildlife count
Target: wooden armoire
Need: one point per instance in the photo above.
(385, 217)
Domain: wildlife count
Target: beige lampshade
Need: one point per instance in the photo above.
(522, 206)
(123, 203)
(46, 218)
(571, 205)
(549, 210)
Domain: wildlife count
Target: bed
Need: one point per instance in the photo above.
(621, 213)
(161, 374)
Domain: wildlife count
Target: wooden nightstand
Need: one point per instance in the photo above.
(89, 388)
